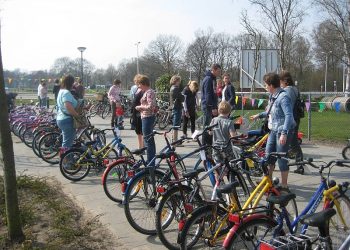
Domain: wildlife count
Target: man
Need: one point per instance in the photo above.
(209, 98)
(56, 88)
(228, 93)
(79, 89)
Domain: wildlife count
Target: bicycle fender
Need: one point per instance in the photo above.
(110, 165)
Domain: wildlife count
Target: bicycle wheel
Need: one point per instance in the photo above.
(140, 202)
(249, 234)
(93, 110)
(201, 226)
(74, 166)
(337, 230)
(172, 210)
(346, 153)
(35, 142)
(113, 177)
(49, 147)
(163, 120)
(106, 111)
(28, 136)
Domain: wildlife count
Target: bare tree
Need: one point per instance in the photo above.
(283, 17)
(338, 12)
(111, 73)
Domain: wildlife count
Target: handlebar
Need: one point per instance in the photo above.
(309, 161)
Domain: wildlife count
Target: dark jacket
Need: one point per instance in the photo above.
(176, 98)
(190, 99)
(209, 97)
(230, 95)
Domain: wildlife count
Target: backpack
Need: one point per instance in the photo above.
(299, 108)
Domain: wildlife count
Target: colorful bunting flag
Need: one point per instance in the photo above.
(253, 102)
(236, 99)
(307, 105)
(10, 80)
(337, 106)
(322, 106)
(244, 101)
(261, 101)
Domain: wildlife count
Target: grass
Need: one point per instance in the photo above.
(51, 220)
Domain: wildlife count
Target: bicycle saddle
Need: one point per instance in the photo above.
(192, 174)
(318, 219)
(282, 199)
(139, 151)
(227, 188)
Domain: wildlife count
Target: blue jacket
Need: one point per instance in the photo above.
(230, 95)
(208, 95)
(281, 113)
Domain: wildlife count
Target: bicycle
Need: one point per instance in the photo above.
(346, 151)
(333, 196)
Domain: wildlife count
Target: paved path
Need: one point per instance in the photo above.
(89, 192)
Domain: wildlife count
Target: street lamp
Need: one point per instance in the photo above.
(137, 57)
(325, 74)
(82, 49)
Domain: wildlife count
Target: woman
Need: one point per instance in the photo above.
(136, 115)
(280, 122)
(147, 108)
(176, 99)
(66, 105)
(190, 93)
(114, 99)
(287, 84)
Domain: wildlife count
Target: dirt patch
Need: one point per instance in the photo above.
(51, 220)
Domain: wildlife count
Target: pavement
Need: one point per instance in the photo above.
(89, 194)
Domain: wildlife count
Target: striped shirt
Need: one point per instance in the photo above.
(148, 103)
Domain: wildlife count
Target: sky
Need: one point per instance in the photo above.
(36, 32)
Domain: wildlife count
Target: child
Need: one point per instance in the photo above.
(222, 132)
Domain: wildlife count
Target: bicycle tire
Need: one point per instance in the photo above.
(246, 236)
(200, 219)
(167, 223)
(337, 230)
(28, 136)
(106, 111)
(69, 167)
(35, 143)
(145, 200)
(49, 147)
(113, 177)
(163, 120)
(22, 130)
(346, 153)
(93, 110)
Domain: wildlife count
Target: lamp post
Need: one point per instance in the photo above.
(137, 57)
(326, 71)
(82, 49)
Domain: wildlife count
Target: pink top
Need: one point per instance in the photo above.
(148, 104)
(114, 93)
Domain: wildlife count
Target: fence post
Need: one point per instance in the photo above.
(309, 120)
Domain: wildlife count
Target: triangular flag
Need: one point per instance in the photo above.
(236, 99)
(307, 105)
(261, 101)
(337, 106)
(244, 100)
(322, 106)
(10, 80)
(253, 102)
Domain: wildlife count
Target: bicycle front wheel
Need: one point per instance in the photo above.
(49, 147)
(140, 202)
(346, 153)
(74, 166)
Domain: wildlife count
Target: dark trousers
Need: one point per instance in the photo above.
(192, 119)
(208, 116)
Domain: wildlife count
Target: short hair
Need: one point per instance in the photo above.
(136, 78)
(144, 80)
(215, 66)
(57, 80)
(272, 79)
(117, 82)
(287, 77)
(224, 108)
(194, 84)
(67, 82)
(174, 79)
(226, 74)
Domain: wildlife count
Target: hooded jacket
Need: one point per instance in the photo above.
(209, 97)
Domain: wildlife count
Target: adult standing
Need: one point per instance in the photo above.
(228, 93)
(136, 121)
(176, 99)
(43, 94)
(148, 115)
(79, 89)
(190, 103)
(56, 88)
(287, 84)
(114, 99)
(219, 88)
(280, 122)
(66, 104)
(134, 88)
(209, 99)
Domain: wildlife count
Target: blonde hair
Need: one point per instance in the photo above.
(194, 85)
(137, 78)
(224, 108)
(175, 79)
(144, 80)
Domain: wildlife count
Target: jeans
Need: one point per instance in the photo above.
(68, 132)
(208, 116)
(176, 114)
(43, 102)
(273, 145)
(147, 129)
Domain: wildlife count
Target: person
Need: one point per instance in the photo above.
(222, 132)
(287, 84)
(147, 108)
(133, 91)
(176, 99)
(56, 88)
(66, 104)
(190, 93)
(114, 99)
(228, 93)
(79, 89)
(209, 99)
(42, 90)
(219, 88)
(136, 115)
(280, 122)
(10, 99)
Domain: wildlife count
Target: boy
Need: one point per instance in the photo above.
(222, 132)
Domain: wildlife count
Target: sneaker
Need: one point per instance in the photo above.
(299, 170)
